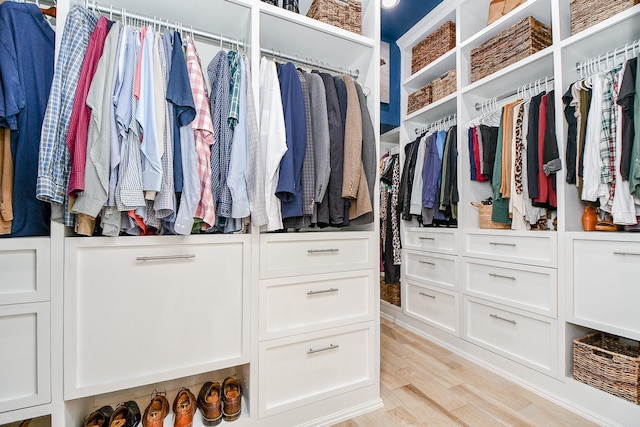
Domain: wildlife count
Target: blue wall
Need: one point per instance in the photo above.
(390, 113)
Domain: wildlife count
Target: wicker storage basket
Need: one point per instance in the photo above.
(484, 214)
(390, 292)
(604, 362)
(345, 14)
(433, 46)
(419, 98)
(585, 13)
(443, 85)
(510, 46)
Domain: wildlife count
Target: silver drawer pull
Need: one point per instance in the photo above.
(495, 316)
(427, 262)
(427, 238)
(324, 291)
(331, 347)
(513, 245)
(627, 253)
(165, 257)
(322, 251)
(501, 276)
(427, 295)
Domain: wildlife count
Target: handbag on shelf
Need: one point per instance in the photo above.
(499, 8)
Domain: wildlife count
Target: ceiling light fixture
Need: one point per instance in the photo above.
(388, 4)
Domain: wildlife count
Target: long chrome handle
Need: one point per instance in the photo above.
(165, 257)
(502, 244)
(627, 253)
(427, 262)
(324, 291)
(331, 347)
(495, 316)
(427, 238)
(501, 276)
(322, 251)
(427, 295)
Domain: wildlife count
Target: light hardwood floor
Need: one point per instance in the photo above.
(423, 384)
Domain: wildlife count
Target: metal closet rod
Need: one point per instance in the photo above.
(307, 61)
(126, 15)
(596, 60)
(449, 120)
(530, 86)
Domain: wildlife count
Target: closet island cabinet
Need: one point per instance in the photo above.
(133, 314)
(515, 300)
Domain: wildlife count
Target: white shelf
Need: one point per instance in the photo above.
(435, 111)
(433, 70)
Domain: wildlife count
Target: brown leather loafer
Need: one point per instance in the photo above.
(99, 417)
(184, 407)
(231, 399)
(210, 403)
(156, 410)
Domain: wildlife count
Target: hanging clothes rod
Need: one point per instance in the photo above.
(446, 122)
(310, 62)
(126, 15)
(522, 89)
(593, 64)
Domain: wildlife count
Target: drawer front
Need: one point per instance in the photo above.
(432, 305)
(525, 338)
(25, 266)
(435, 269)
(25, 356)
(283, 256)
(304, 304)
(539, 248)
(530, 288)
(605, 284)
(135, 314)
(425, 239)
(311, 367)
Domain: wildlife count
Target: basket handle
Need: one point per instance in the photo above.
(602, 353)
(475, 204)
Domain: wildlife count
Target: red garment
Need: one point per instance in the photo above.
(81, 114)
(543, 183)
(476, 156)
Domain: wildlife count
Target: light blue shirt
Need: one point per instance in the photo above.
(237, 178)
(191, 184)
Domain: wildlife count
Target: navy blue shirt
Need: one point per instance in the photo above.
(184, 109)
(289, 189)
(26, 73)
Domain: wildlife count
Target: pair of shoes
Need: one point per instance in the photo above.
(156, 411)
(184, 408)
(218, 402)
(126, 414)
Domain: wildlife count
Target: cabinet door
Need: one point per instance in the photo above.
(431, 240)
(539, 248)
(24, 355)
(145, 313)
(25, 266)
(437, 270)
(307, 368)
(432, 305)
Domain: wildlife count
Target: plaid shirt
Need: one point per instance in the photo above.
(203, 134)
(234, 102)
(608, 131)
(53, 161)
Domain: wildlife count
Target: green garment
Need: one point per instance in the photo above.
(634, 173)
(500, 212)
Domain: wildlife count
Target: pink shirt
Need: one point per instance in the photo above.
(81, 114)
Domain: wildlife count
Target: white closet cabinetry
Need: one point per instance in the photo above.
(25, 328)
(520, 297)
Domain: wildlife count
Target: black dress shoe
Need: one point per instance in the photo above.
(126, 414)
(99, 417)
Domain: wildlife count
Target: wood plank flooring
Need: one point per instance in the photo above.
(423, 384)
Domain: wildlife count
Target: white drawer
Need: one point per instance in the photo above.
(526, 338)
(434, 306)
(430, 239)
(24, 356)
(536, 247)
(434, 269)
(605, 285)
(284, 255)
(303, 304)
(147, 312)
(307, 368)
(25, 265)
(530, 288)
